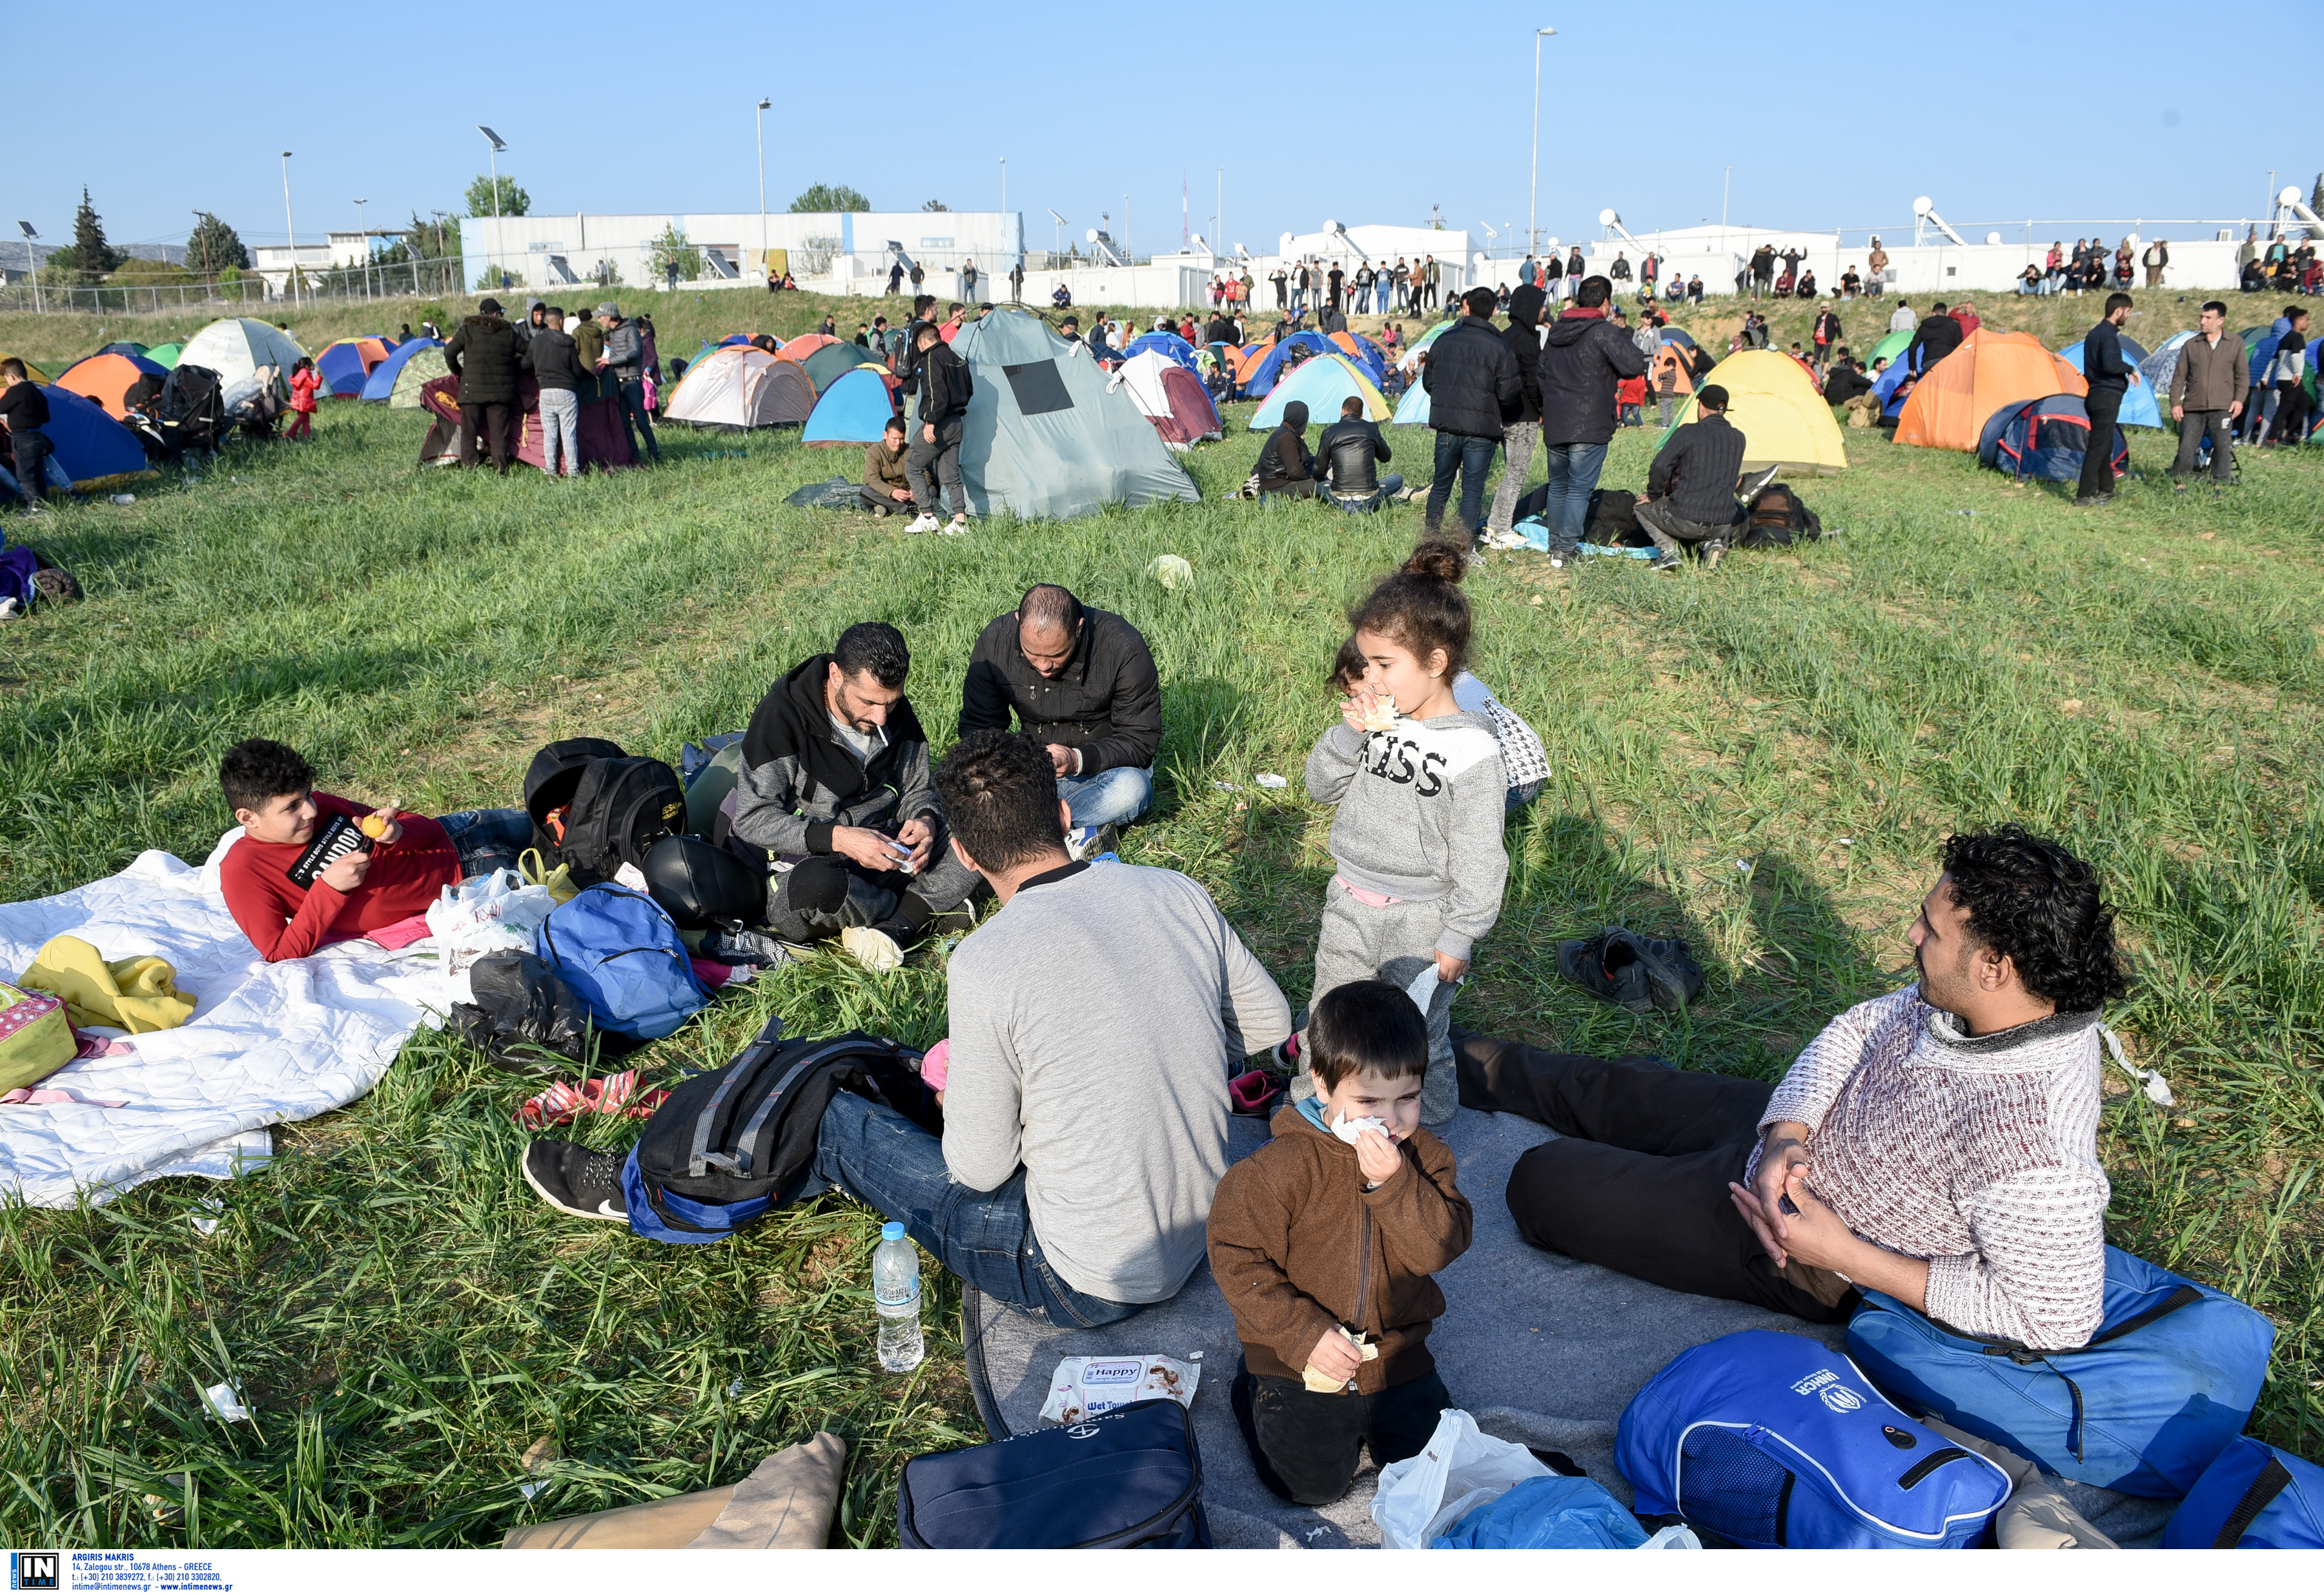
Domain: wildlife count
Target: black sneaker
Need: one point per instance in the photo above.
(1673, 975)
(2093, 501)
(1611, 966)
(573, 1179)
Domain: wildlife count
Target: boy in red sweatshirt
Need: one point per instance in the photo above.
(304, 872)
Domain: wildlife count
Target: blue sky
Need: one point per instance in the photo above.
(1342, 111)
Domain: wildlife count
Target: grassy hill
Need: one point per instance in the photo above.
(1762, 758)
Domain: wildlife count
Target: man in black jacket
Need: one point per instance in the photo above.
(1938, 335)
(1473, 394)
(945, 390)
(2108, 374)
(483, 354)
(556, 365)
(1583, 357)
(1690, 488)
(1346, 454)
(1082, 683)
(1523, 337)
(626, 356)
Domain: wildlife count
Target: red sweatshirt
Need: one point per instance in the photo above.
(286, 919)
(303, 385)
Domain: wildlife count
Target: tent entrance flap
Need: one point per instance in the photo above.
(1037, 387)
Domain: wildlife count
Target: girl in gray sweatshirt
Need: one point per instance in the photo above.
(1421, 793)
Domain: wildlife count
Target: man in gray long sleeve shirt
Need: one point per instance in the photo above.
(1095, 1022)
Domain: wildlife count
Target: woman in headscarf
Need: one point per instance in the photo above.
(1286, 463)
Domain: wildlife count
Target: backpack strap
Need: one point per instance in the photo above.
(2270, 1484)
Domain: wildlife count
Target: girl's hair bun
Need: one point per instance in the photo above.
(1440, 561)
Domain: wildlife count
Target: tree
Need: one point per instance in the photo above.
(213, 247)
(513, 201)
(934, 204)
(830, 196)
(672, 248)
(90, 252)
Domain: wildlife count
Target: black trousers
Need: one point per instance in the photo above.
(1637, 1180)
(2291, 414)
(495, 419)
(1305, 1443)
(29, 451)
(2097, 461)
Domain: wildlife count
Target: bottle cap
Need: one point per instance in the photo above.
(892, 1231)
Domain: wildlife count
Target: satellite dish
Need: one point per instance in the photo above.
(1992, 237)
(2288, 197)
(1090, 237)
(1330, 225)
(1549, 243)
(1607, 217)
(1923, 205)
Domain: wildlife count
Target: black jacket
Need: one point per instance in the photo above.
(800, 781)
(945, 386)
(1347, 451)
(1844, 384)
(1471, 380)
(2102, 362)
(1936, 337)
(1696, 471)
(1523, 336)
(485, 355)
(554, 361)
(1284, 460)
(1582, 358)
(1107, 702)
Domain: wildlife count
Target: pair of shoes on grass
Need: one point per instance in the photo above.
(1638, 972)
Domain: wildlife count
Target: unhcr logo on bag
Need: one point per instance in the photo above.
(1825, 1385)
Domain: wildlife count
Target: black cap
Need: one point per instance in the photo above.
(1711, 397)
(491, 307)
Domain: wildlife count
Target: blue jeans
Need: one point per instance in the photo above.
(1574, 470)
(1471, 457)
(1110, 798)
(634, 417)
(487, 839)
(984, 1238)
(1365, 503)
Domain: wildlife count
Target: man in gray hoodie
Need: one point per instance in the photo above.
(1523, 336)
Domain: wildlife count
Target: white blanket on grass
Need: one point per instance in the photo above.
(267, 1042)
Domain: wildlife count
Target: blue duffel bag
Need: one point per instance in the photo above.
(2170, 1377)
(1131, 1478)
(2253, 1498)
(1768, 1440)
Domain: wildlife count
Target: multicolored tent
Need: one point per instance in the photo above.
(235, 346)
(1950, 404)
(2162, 366)
(1368, 357)
(165, 355)
(828, 364)
(1322, 385)
(1268, 370)
(805, 344)
(346, 364)
(735, 388)
(412, 373)
(1891, 347)
(105, 378)
(2046, 440)
(89, 447)
(2139, 407)
(1168, 345)
(1170, 396)
(854, 410)
(1773, 401)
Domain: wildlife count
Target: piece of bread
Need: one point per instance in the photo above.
(1381, 717)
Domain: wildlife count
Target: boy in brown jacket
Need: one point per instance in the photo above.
(887, 488)
(1323, 1242)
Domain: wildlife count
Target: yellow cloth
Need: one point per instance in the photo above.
(132, 994)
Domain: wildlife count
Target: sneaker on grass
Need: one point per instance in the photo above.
(1083, 842)
(574, 1179)
(872, 947)
(924, 523)
(1631, 971)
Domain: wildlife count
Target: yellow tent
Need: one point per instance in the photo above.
(1773, 403)
(31, 371)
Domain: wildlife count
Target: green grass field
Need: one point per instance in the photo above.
(406, 1320)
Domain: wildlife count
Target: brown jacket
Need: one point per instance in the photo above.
(2208, 378)
(1297, 1245)
(884, 472)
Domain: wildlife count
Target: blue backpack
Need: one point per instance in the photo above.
(2255, 1498)
(1773, 1440)
(622, 956)
(2170, 1377)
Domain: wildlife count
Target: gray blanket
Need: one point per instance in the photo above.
(1538, 1348)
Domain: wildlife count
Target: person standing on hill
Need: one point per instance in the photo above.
(2207, 395)
(483, 354)
(2108, 374)
(2287, 367)
(1583, 359)
(1473, 394)
(1523, 337)
(1875, 264)
(625, 357)
(1827, 337)
(2157, 256)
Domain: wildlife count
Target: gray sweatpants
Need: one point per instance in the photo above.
(1392, 943)
(560, 431)
(817, 897)
(1517, 439)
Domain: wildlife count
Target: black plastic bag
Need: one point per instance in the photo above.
(524, 1016)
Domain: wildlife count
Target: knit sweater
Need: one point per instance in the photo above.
(1978, 1154)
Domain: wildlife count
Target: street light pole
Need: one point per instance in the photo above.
(1533, 200)
(498, 145)
(761, 117)
(289, 227)
(32, 263)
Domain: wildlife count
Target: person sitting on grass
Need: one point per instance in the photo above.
(1347, 452)
(1336, 1334)
(310, 868)
(887, 488)
(1285, 466)
(1690, 486)
(1939, 1143)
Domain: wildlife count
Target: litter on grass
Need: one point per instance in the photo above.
(224, 1403)
(1273, 782)
(1171, 571)
(207, 1215)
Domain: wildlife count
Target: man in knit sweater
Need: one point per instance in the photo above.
(1939, 1143)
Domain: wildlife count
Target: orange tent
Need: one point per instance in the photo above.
(106, 380)
(1247, 361)
(807, 343)
(1990, 370)
(1671, 357)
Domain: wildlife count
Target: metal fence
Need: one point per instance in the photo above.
(401, 280)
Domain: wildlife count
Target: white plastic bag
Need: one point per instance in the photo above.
(487, 914)
(1458, 1469)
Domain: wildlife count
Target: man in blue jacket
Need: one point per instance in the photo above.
(2108, 374)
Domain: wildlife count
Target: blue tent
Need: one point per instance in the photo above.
(1167, 344)
(1413, 409)
(2139, 407)
(1270, 369)
(854, 409)
(1885, 386)
(341, 367)
(2044, 438)
(381, 382)
(89, 443)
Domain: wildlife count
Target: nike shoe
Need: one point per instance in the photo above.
(573, 1179)
(924, 521)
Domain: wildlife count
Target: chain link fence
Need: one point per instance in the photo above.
(400, 279)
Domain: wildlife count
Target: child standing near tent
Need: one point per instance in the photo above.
(304, 382)
(1420, 792)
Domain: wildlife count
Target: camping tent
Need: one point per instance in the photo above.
(805, 344)
(31, 370)
(2139, 407)
(1670, 357)
(237, 345)
(1044, 437)
(735, 388)
(1268, 370)
(2044, 438)
(1411, 356)
(1242, 363)
(854, 408)
(603, 436)
(1366, 355)
(345, 365)
(423, 367)
(1950, 404)
(1168, 345)
(165, 355)
(105, 378)
(123, 347)
(828, 364)
(1170, 396)
(1675, 335)
(1773, 401)
(381, 383)
(1891, 347)
(1321, 384)
(2162, 366)
(1411, 411)
(91, 447)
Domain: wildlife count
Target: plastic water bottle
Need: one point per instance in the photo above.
(896, 1291)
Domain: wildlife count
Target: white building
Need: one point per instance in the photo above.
(845, 253)
(273, 262)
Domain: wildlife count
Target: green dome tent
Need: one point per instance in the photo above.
(165, 355)
(418, 371)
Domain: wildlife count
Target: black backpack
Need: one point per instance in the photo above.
(621, 807)
(549, 781)
(734, 1142)
(1128, 1478)
(1780, 517)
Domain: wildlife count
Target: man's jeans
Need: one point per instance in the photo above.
(2192, 428)
(1110, 798)
(634, 417)
(1364, 503)
(560, 431)
(983, 1237)
(1471, 457)
(1516, 450)
(1574, 470)
(487, 839)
